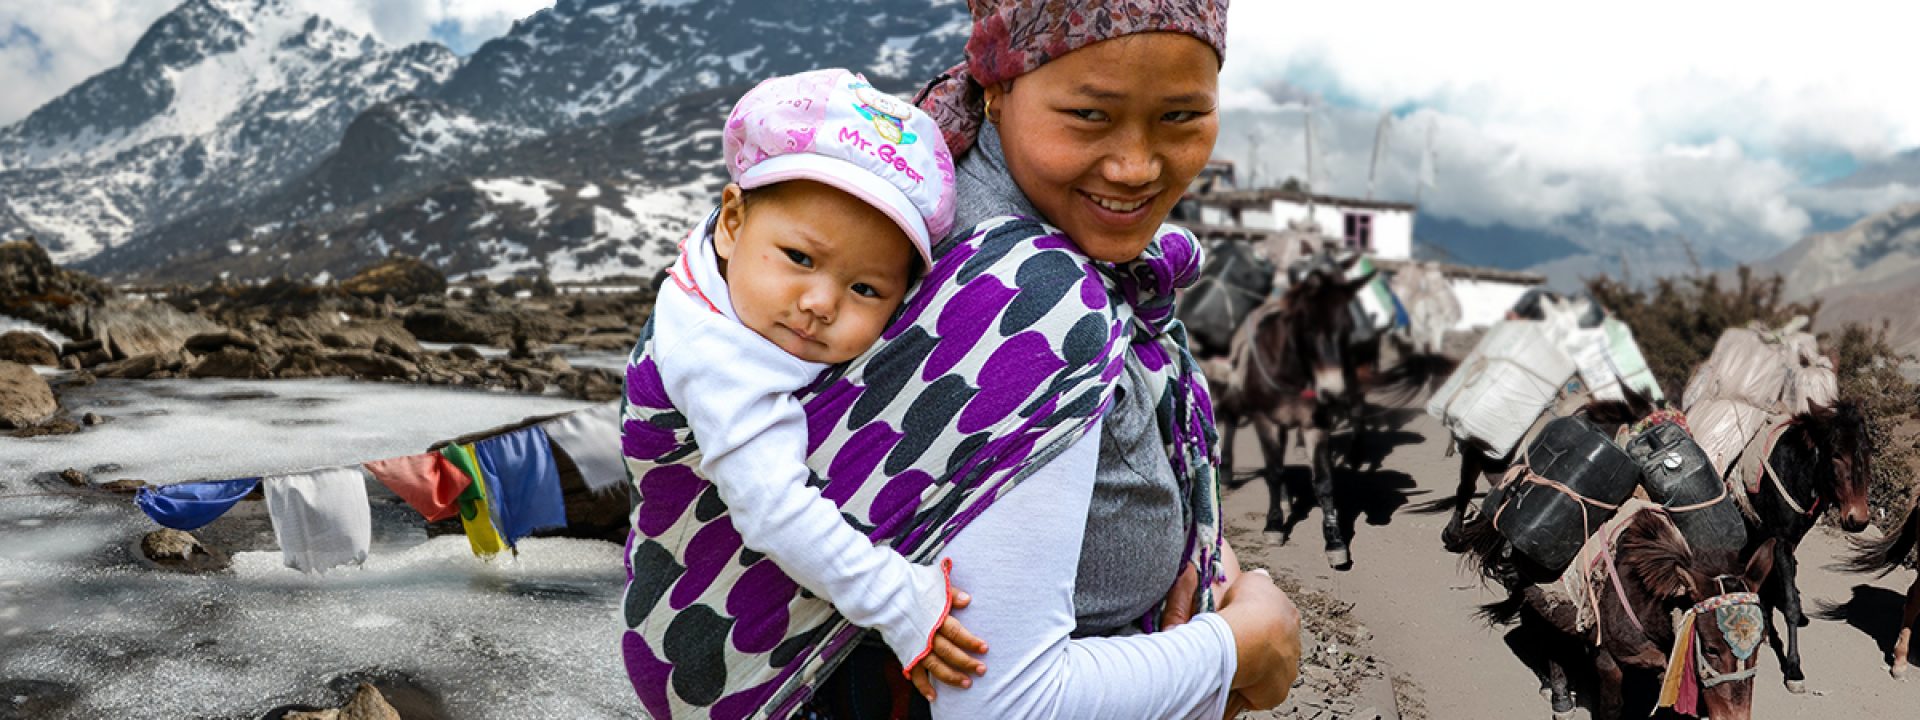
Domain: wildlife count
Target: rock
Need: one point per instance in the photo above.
(306, 362)
(369, 364)
(234, 363)
(33, 287)
(368, 704)
(132, 328)
(91, 420)
(213, 342)
(95, 357)
(142, 366)
(56, 426)
(123, 486)
(81, 347)
(69, 363)
(29, 348)
(456, 326)
(554, 363)
(177, 550)
(400, 277)
(467, 353)
(591, 384)
(25, 398)
(75, 478)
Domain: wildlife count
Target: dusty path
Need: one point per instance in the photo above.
(1418, 605)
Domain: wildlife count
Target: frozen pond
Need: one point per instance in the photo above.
(89, 630)
(165, 431)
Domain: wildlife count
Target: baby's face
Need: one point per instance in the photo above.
(813, 269)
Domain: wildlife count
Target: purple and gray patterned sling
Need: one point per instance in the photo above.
(1004, 355)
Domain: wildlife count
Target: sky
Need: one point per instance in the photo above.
(1713, 119)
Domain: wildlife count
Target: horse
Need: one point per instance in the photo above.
(1885, 555)
(1289, 368)
(1232, 282)
(1821, 459)
(1649, 574)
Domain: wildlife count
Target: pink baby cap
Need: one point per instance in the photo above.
(831, 126)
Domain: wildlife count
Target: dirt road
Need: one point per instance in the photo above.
(1417, 605)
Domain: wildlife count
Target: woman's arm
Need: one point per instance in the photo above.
(1018, 561)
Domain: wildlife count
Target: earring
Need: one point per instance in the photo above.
(989, 111)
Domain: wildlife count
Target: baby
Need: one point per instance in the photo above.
(837, 195)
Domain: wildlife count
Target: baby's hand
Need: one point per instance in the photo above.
(949, 660)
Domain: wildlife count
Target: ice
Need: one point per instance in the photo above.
(165, 431)
(9, 324)
(84, 617)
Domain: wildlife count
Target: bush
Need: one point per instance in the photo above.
(1678, 321)
(1870, 375)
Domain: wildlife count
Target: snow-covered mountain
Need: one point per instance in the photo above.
(646, 159)
(219, 100)
(322, 139)
(589, 62)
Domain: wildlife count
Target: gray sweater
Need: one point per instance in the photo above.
(1136, 531)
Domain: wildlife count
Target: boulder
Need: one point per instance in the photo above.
(25, 398)
(143, 366)
(137, 328)
(452, 325)
(235, 363)
(213, 342)
(176, 550)
(466, 352)
(306, 362)
(366, 704)
(372, 365)
(401, 277)
(29, 348)
(591, 384)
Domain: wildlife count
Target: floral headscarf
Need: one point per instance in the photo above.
(1013, 37)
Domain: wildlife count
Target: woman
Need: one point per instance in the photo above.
(1095, 123)
(1031, 416)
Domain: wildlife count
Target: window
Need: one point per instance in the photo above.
(1359, 231)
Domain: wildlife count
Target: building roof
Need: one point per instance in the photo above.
(1264, 197)
(1465, 272)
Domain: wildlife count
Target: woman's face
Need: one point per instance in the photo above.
(1104, 140)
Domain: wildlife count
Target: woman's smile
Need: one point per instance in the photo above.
(1119, 212)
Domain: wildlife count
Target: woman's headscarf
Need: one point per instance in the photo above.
(1013, 37)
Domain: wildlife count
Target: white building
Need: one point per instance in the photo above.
(1213, 208)
(1379, 227)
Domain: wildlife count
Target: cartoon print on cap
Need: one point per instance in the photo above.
(887, 112)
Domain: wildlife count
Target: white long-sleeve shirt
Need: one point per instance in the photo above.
(1023, 608)
(736, 390)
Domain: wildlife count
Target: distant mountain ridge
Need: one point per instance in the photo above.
(219, 100)
(321, 138)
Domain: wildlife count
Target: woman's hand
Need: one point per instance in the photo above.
(1266, 638)
(1178, 608)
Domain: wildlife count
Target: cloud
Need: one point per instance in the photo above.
(47, 48)
(1709, 119)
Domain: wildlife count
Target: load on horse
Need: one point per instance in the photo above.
(1743, 488)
